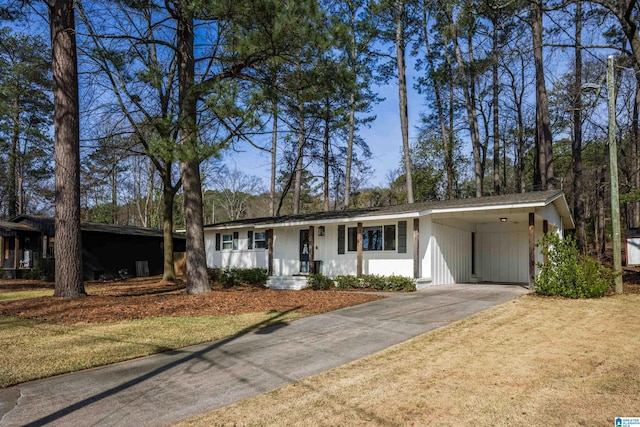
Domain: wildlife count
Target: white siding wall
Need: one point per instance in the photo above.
(332, 263)
(242, 257)
(450, 251)
(286, 251)
(385, 263)
(550, 213)
(426, 247)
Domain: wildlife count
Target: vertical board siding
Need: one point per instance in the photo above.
(503, 256)
(451, 254)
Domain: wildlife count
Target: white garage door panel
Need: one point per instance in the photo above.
(502, 257)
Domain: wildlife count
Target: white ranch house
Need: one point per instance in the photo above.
(488, 239)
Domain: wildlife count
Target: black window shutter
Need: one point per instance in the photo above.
(236, 236)
(402, 237)
(217, 241)
(268, 235)
(250, 237)
(341, 235)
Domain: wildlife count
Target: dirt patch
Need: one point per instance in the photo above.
(631, 280)
(139, 298)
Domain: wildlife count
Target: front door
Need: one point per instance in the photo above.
(304, 251)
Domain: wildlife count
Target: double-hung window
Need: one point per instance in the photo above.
(260, 240)
(227, 242)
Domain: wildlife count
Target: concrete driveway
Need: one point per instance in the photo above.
(165, 388)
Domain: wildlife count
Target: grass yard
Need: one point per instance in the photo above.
(531, 362)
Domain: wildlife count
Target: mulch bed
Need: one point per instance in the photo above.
(140, 298)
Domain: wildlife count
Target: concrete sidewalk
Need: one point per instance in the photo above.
(165, 388)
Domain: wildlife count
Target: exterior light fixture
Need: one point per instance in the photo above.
(321, 230)
(503, 219)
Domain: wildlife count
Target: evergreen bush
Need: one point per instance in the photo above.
(568, 273)
(320, 282)
(375, 282)
(230, 277)
(347, 282)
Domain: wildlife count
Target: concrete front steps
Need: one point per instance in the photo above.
(291, 283)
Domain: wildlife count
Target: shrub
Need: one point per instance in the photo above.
(347, 282)
(33, 274)
(229, 277)
(400, 283)
(319, 282)
(568, 273)
(375, 282)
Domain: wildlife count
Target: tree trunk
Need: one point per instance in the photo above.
(327, 132)
(496, 109)
(168, 197)
(66, 123)
(196, 274)
(446, 142)
(519, 149)
(402, 95)
(12, 161)
(274, 158)
(600, 237)
(352, 131)
(576, 147)
(352, 108)
(114, 196)
(469, 99)
(543, 179)
(297, 184)
(635, 162)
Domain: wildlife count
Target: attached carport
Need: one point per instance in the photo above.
(494, 242)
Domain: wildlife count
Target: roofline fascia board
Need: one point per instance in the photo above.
(341, 220)
(555, 197)
(232, 227)
(565, 207)
(484, 208)
(317, 221)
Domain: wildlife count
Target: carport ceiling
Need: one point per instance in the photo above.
(487, 216)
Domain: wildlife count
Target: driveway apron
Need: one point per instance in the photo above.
(169, 387)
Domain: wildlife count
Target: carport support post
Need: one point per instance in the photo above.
(416, 248)
(312, 268)
(16, 253)
(545, 230)
(532, 250)
(359, 251)
(270, 252)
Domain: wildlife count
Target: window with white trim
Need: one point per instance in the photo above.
(260, 239)
(227, 242)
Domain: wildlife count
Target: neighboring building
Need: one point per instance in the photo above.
(466, 240)
(633, 246)
(28, 242)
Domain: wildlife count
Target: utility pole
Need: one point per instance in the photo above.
(613, 169)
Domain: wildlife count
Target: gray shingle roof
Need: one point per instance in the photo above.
(534, 197)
